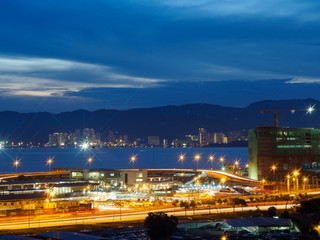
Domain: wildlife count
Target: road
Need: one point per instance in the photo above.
(64, 220)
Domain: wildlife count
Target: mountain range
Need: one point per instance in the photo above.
(166, 122)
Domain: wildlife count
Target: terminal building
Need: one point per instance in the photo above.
(288, 149)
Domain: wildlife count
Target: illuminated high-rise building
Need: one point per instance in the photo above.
(288, 149)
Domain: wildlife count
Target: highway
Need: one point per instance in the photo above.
(82, 219)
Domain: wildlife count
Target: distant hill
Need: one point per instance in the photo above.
(167, 121)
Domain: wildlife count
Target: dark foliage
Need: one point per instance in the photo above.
(310, 206)
(160, 226)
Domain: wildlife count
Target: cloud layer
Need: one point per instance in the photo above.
(89, 52)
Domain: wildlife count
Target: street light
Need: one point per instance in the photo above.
(288, 183)
(263, 181)
(304, 183)
(49, 162)
(211, 159)
(16, 163)
(310, 109)
(221, 160)
(223, 180)
(133, 158)
(236, 163)
(90, 160)
(84, 147)
(197, 158)
(181, 159)
(296, 173)
(274, 167)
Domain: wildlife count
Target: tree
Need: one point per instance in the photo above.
(185, 205)
(285, 214)
(272, 211)
(193, 204)
(160, 226)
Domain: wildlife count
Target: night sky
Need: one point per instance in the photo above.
(120, 54)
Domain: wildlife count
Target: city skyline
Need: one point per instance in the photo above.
(126, 54)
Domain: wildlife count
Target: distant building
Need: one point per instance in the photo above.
(88, 134)
(165, 142)
(153, 140)
(110, 177)
(219, 137)
(288, 149)
(58, 139)
(202, 133)
(234, 136)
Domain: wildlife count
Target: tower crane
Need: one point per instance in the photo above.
(276, 112)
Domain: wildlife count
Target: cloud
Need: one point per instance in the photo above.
(233, 73)
(302, 10)
(307, 80)
(45, 77)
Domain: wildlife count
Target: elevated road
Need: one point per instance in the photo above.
(34, 175)
(217, 174)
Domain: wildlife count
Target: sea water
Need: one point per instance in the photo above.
(35, 159)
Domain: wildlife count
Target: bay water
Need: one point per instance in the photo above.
(35, 159)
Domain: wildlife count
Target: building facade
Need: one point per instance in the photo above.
(288, 149)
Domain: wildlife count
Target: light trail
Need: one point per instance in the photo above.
(64, 220)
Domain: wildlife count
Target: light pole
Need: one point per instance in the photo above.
(221, 160)
(16, 164)
(84, 146)
(223, 180)
(263, 181)
(296, 173)
(90, 160)
(211, 159)
(274, 167)
(304, 183)
(49, 162)
(197, 158)
(181, 159)
(133, 158)
(288, 183)
(236, 163)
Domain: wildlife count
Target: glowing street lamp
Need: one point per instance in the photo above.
(90, 160)
(211, 159)
(223, 180)
(304, 183)
(16, 163)
(197, 158)
(296, 173)
(221, 159)
(84, 146)
(288, 183)
(133, 158)
(273, 168)
(181, 159)
(263, 182)
(49, 162)
(310, 109)
(236, 163)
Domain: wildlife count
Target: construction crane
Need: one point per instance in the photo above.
(309, 110)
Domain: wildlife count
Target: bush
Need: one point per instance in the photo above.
(160, 226)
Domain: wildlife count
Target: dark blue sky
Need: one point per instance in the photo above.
(65, 55)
